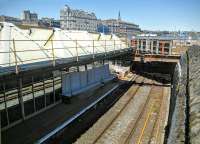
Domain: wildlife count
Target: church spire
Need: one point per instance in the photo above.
(119, 16)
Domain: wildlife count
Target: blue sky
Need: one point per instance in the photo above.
(149, 14)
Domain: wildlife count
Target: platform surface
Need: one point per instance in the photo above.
(34, 128)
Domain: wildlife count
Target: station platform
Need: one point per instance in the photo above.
(38, 126)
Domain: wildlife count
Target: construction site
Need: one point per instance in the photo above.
(68, 86)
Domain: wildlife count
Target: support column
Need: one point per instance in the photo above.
(157, 46)
(20, 97)
(5, 102)
(34, 106)
(54, 92)
(45, 98)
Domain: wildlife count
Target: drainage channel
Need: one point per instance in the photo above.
(187, 109)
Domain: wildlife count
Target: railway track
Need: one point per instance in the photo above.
(120, 111)
(134, 118)
(128, 138)
(84, 110)
(148, 125)
(143, 127)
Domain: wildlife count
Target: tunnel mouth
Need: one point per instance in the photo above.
(158, 71)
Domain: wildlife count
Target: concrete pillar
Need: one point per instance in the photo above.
(20, 97)
(157, 46)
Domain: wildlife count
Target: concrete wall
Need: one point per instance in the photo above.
(194, 93)
(184, 120)
(178, 104)
(77, 82)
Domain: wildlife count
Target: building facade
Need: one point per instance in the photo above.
(9, 19)
(152, 44)
(121, 27)
(103, 29)
(74, 19)
(29, 18)
(50, 22)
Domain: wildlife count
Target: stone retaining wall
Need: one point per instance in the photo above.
(186, 86)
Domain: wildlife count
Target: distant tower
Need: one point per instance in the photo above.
(119, 16)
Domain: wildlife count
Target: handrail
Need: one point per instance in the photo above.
(58, 40)
(49, 49)
(50, 52)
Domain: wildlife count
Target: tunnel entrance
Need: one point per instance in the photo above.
(159, 71)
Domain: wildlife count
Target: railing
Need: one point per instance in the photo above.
(30, 94)
(18, 53)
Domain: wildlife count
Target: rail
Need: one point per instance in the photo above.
(148, 117)
(121, 110)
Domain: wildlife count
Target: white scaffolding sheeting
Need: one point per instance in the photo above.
(35, 45)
